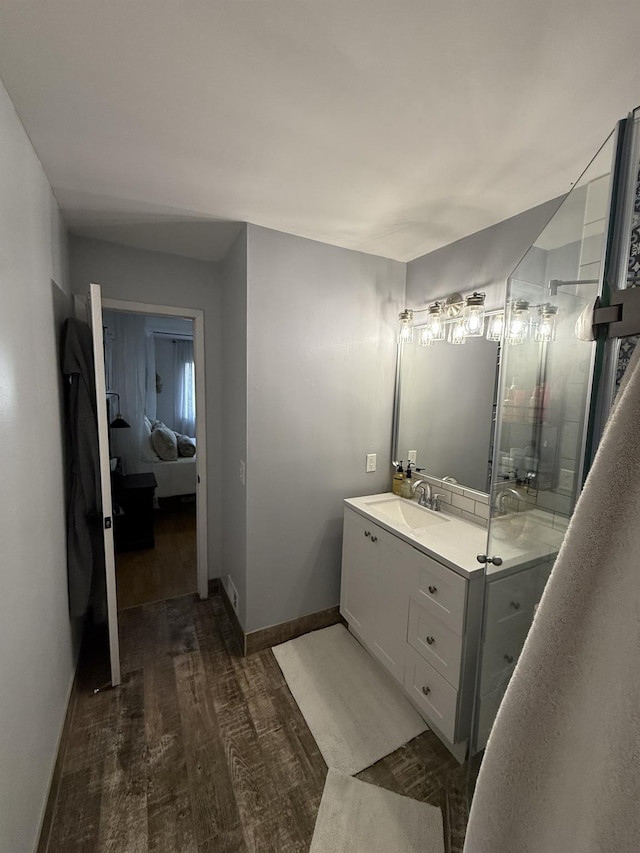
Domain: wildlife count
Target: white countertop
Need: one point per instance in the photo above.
(519, 540)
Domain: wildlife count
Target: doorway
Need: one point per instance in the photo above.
(154, 373)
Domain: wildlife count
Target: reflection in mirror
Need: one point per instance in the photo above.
(446, 408)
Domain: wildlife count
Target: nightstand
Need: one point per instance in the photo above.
(133, 511)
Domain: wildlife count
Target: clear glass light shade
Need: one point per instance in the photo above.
(495, 327)
(518, 323)
(434, 323)
(473, 315)
(424, 337)
(405, 334)
(457, 332)
(546, 326)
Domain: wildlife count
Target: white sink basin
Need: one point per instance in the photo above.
(406, 513)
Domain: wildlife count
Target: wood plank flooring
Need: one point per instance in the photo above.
(203, 751)
(168, 570)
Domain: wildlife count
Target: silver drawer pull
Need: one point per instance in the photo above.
(426, 690)
(430, 640)
(508, 658)
(515, 605)
(433, 589)
(374, 538)
(367, 533)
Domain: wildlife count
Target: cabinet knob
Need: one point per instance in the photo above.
(374, 538)
(426, 690)
(508, 658)
(367, 533)
(515, 605)
(483, 558)
(433, 589)
(430, 640)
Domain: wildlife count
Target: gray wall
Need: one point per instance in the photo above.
(322, 323)
(162, 279)
(37, 655)
(234, 419)
(481, 261)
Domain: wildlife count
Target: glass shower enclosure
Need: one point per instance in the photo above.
(556, 385)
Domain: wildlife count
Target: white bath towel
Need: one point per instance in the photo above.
(561, 773)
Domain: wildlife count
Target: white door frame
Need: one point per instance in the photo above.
(197, 315)
(95, 320)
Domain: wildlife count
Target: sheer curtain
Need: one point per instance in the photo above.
(185, 414)
(126, 352)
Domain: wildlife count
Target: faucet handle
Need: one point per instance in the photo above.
(435, 505)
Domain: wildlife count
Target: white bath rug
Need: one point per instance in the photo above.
(356, 817)
(356, 713)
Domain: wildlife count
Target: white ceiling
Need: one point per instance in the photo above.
(388, 127)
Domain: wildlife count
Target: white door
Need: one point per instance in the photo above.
(95, 320)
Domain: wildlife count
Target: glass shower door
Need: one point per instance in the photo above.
(544, 392)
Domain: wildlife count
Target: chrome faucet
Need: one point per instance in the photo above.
(505, 493)
(425, 487)
(427, 498)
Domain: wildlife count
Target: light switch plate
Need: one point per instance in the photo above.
(412, 456)
(371, 463)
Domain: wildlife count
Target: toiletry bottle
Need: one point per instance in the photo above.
(407, 491)
(398, 480)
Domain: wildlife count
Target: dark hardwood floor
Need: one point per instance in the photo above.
(203, 751)
(170, 568)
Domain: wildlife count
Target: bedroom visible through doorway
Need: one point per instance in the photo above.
(151, 392)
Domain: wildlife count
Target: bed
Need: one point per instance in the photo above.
(174, 478)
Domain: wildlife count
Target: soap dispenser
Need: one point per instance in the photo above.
(398, 480)
(407, 491)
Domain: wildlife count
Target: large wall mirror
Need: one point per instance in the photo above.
(445, 409)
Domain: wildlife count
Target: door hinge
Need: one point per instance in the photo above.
(107, 523)
(621, 316)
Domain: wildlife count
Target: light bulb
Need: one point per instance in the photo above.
(457, 333)
(405, 334)
(496, 327)
(473, 315)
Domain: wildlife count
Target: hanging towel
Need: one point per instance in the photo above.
(561, 772)
(85, 552)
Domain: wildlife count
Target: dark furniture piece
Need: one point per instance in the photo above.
(132, 497)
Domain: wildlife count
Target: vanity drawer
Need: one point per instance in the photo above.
(511, 599)
(431, 693)
(438, 644)
(443, 592)
(500, 652)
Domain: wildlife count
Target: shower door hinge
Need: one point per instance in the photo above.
(621, 316)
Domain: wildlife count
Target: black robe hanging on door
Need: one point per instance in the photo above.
(85, 549)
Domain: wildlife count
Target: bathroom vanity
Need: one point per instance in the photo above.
(413, 593)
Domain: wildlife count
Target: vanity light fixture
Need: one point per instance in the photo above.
(405, 335)
(435, 322)
(458, 332)
(495, 327)
(518, 322)
(424, 337)
(473, 315)
(546, 328)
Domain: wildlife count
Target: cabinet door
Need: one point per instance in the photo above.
(359, 558)
(396, 574)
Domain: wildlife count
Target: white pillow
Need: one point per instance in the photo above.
(164, 443)
(147, 452)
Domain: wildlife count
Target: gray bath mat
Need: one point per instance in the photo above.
(356, 713)
(355, 817)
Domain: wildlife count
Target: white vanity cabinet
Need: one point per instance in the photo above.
(380, 572)
(419, 618)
